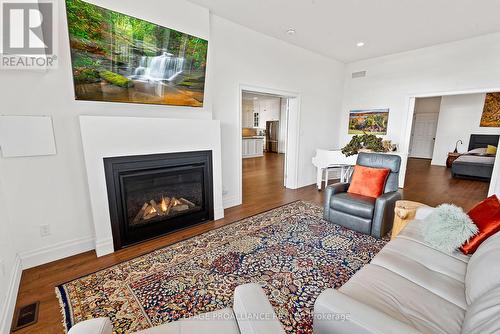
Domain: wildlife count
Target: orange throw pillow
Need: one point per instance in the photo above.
(368, 181)
(486, 216)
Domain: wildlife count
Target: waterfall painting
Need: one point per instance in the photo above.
(119, 58)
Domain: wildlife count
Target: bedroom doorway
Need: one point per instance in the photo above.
(451, 151)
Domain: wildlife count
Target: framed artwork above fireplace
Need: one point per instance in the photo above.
(119, 58)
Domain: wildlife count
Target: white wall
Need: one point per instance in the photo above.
(459, 117)
(244, 57)
(9, 264)
(56, 186)
(391, 80)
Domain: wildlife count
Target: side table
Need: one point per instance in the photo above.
(404, 213)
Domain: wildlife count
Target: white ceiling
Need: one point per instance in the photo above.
(333, 27)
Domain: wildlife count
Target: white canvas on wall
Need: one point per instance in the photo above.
(24, 136)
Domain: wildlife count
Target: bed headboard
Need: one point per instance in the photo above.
(479, 141)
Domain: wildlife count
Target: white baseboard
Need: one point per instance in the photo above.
(104, 247)
(56, 252)
(11, 297)
(231, 201)
(218, 213)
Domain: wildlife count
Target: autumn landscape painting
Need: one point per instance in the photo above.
(491, 111)
(371, 121)
(119, 58)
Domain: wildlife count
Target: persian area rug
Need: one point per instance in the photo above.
(290, 251)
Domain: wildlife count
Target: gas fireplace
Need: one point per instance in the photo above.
(151, 195)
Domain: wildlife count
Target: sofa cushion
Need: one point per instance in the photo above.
(486, 216)
(353, 204)
(483, 270)
(440, 274)
(482, 315)
(404, 300)
(422, 253)
(94, 326)
(220, 322)
(448, 228)
(415, 231)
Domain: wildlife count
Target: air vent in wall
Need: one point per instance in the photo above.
(360, 74)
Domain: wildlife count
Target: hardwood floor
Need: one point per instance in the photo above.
(434, 185)
(262, 190)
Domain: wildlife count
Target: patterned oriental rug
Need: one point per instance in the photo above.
(291, 251)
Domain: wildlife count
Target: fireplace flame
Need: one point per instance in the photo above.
(167, 206)
(163, 205)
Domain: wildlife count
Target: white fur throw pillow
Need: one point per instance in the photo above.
(448, 227)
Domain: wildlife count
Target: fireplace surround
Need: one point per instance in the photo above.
(151, 195)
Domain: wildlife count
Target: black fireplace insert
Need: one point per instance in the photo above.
(151, 195)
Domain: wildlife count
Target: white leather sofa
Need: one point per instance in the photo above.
(410, 287)
(251, 314)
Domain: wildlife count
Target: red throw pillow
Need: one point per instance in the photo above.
(368, 181)
(486, 215)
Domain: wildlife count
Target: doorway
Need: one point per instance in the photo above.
(423, 133)
(269, 122)
(447, 151)
(263, 150)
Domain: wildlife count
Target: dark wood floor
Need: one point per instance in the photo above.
(434, 185)
(262, 190)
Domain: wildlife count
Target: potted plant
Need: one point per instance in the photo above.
(363, 143)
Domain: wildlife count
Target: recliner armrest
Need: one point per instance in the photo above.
(340, 187)
(383, 215)
(335, 312)
(254, 312)
(331, 190)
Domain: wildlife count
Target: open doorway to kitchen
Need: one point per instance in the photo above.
(265, 139)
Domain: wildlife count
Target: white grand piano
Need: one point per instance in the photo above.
(326, 160)
(332, 159)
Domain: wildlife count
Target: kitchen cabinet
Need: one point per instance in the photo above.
(252, 147)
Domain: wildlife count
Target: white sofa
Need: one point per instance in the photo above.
(251, 314)
(410, 287)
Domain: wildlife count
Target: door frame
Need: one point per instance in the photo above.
(406, 132)
(292, 136)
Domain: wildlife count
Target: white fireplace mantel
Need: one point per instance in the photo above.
(104, 136)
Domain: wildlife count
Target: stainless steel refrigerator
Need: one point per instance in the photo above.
(272, 130)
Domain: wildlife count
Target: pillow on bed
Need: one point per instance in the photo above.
(478, 151)
(491, 150)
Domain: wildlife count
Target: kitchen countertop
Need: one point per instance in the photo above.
(254, 137)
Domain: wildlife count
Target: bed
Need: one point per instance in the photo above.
(476, 163)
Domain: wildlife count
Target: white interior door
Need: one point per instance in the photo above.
(423, 135)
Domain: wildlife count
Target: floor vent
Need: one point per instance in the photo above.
(25, 316)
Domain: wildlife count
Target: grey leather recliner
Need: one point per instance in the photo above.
(373, 216)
